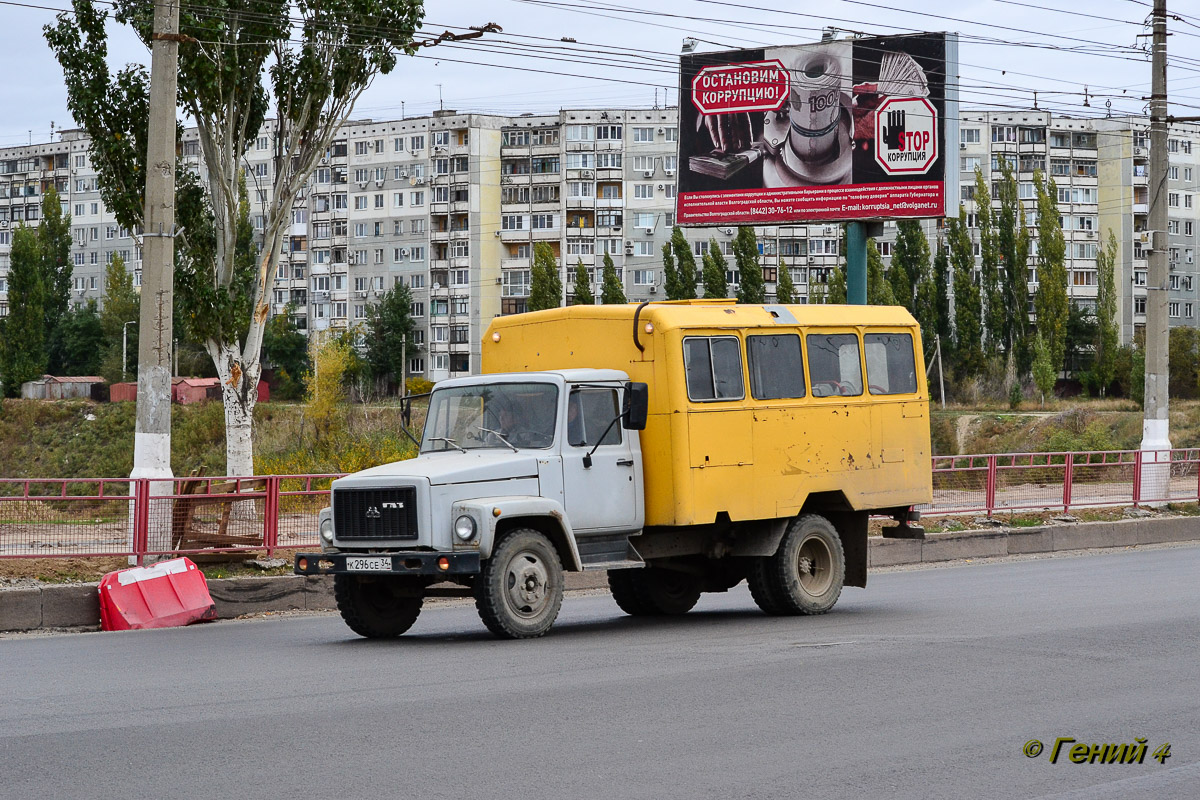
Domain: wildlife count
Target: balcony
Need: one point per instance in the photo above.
(439, 208)
(581, 202)
(519, 235)
(439, 236)
(461, 206)
(514, 263)
(1141, 208)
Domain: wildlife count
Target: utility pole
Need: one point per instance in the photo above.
(152, 436)
(1156, 434)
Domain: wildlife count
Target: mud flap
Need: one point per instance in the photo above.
(852, 528)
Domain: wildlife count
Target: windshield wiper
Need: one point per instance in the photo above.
(500, 436)
(448, 441)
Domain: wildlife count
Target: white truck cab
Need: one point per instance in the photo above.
(520, 476)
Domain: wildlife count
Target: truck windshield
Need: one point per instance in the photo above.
(502, 415)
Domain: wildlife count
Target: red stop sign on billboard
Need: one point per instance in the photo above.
(906, 135)
(749, 86)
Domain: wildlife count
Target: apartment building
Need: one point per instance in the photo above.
(1100, 168)
(451, 205)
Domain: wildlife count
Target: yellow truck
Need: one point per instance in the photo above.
(681, 446)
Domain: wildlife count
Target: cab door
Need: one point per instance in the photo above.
(603, 496)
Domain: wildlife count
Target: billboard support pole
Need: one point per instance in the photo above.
(856, 263)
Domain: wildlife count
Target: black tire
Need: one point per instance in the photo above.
(519, 591)
(376, 606)
(806, 574)
(626, 587)
(651, 591)
(762, 588)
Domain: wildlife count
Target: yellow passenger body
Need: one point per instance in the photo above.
(746, 457)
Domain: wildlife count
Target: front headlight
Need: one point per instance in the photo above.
(464, 528)
(327, 530)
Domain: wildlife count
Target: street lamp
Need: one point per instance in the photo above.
(125, 347)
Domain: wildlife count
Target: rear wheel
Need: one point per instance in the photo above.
(376, 606)
(806, 574)
(520, 589)
(654, 591)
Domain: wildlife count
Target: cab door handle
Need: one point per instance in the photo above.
(624, 462)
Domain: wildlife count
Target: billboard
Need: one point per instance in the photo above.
(842, 130)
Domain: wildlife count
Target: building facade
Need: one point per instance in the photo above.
(451, 206)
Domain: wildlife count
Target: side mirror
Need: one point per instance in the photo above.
(635, 406)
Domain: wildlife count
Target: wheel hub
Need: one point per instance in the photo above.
(528, 591)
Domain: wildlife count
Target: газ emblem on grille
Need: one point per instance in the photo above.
(373, 513)
(392, 506)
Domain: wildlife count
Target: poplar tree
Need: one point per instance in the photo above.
(785, 289)
(1044, 371)
(1104, 368)
(941, 269)
(968, 348)
(714, 271)
(54, 242)
(545, 285)
(910, 259)
(611, 291)
(879, 291)
(24, 352)
(835, 287)
(1012, 236)
(925, 305)
(991, 286)
(120, 305)
(1050, 302)
(671, 286)
(751, 287)
(685, 263)
(582, 290)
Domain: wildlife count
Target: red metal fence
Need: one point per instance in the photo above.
(42, 518)
(1043, 481)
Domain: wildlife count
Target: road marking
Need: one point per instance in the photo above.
(820, 644)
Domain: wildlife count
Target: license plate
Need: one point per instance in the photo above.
(361, 564)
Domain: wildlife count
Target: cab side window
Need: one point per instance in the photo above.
(891, 366)
(776, 366)
(590, 413)
(713, 366)
(833, 364)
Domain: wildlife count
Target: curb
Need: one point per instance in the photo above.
(78, 605)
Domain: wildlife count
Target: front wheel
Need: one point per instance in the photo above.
(520, 589)
(376, 606)
(806, 573)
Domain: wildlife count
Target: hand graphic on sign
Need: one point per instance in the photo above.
(893, 134)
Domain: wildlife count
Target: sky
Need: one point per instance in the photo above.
(1076, 57)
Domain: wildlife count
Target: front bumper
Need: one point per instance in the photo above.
(406, 563)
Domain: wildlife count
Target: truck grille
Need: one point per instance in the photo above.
(375, 514)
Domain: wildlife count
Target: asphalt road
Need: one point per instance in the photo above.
(926, 685)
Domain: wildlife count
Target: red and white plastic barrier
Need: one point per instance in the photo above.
(165, 595)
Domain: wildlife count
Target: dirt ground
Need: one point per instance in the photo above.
(20, 571)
